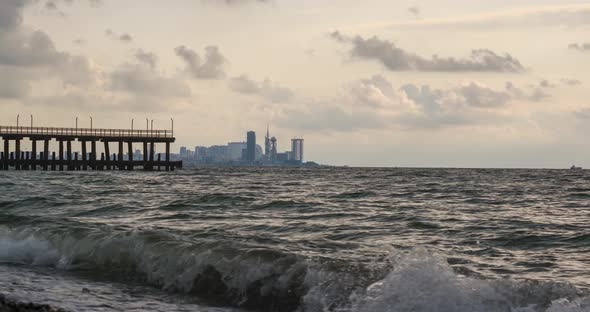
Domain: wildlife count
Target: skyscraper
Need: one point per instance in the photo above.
(297, 150)
(251, 146)
(273, 149)
(267, 144)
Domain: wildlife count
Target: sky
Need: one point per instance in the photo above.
(408, 83)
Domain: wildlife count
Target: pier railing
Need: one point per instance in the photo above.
(89, 132)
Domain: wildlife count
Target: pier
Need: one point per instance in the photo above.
(41, 158)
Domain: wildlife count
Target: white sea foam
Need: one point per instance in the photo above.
(419, 280)
(424, 281)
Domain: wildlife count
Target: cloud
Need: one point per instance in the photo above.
(546, 84)
(583, 114)
(415, 10)
(79, 42)
(266, 89)
(397, 59)
(11, 13)
(536, 95)
(583, 47)
(27, 56)
(51, 5)
(318, 116)
(212, 68)
(140, 80)
(148, 58)
(127, 38)
(375, 103)
(570, 82)
(17, 86)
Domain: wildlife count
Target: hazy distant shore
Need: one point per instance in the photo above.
(8, 305)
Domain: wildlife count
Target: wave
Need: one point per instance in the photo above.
(228, 272)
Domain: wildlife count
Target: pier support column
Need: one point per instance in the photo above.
(17, 156)
(84, 156)
(45, 154)
(6, 153)
(130, 152)
(34, 155)
(69, 156)
(53, 161)
(26, 160)
(120, 158)
(61, 155)
(152, 150)
(145, 155)
(167, 156)
(93, 155)
(107, 154)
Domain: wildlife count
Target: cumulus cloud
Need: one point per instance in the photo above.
(140, 80)
(397, 59)
(32, 55)
(148, 58)
(583, 47)
(266, 89)
(125, 37)
(376, 103)
(535, 95)
(211, 68)
(11, 13)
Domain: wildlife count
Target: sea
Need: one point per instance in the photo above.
(298, 239)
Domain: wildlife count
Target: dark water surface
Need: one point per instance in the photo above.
(280, 239)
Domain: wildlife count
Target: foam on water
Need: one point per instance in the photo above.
(418, 280)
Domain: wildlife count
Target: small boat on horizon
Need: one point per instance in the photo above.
(573, 167)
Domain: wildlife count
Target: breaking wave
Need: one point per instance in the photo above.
(222, 271)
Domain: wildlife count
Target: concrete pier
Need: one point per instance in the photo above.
(69, 160)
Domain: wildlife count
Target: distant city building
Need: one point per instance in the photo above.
(259, 156)
(283, 157)
(235, 150)
(246, 152)
(183, 152)
(273, 149)
(137, 155)
(267, 144)
(297, 150)
(200, 153)
(250, 146)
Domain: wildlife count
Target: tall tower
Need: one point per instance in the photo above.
(297, 150)
(267, 144)
(273, 149)
(251, 146)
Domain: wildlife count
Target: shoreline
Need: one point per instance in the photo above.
(9, 305)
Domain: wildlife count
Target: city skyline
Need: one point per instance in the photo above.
(247, 152)
(371, 83)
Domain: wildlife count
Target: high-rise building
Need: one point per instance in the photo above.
(235, 150)
(183, 152)
(267, 144)
(251, 146)
(273, 149)
(297, 150)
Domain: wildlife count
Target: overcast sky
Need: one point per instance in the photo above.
(460, 83)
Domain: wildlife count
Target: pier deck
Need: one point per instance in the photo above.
(87, 159)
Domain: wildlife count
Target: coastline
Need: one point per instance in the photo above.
(9, 305)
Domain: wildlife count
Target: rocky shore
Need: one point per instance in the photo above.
(7, 305)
